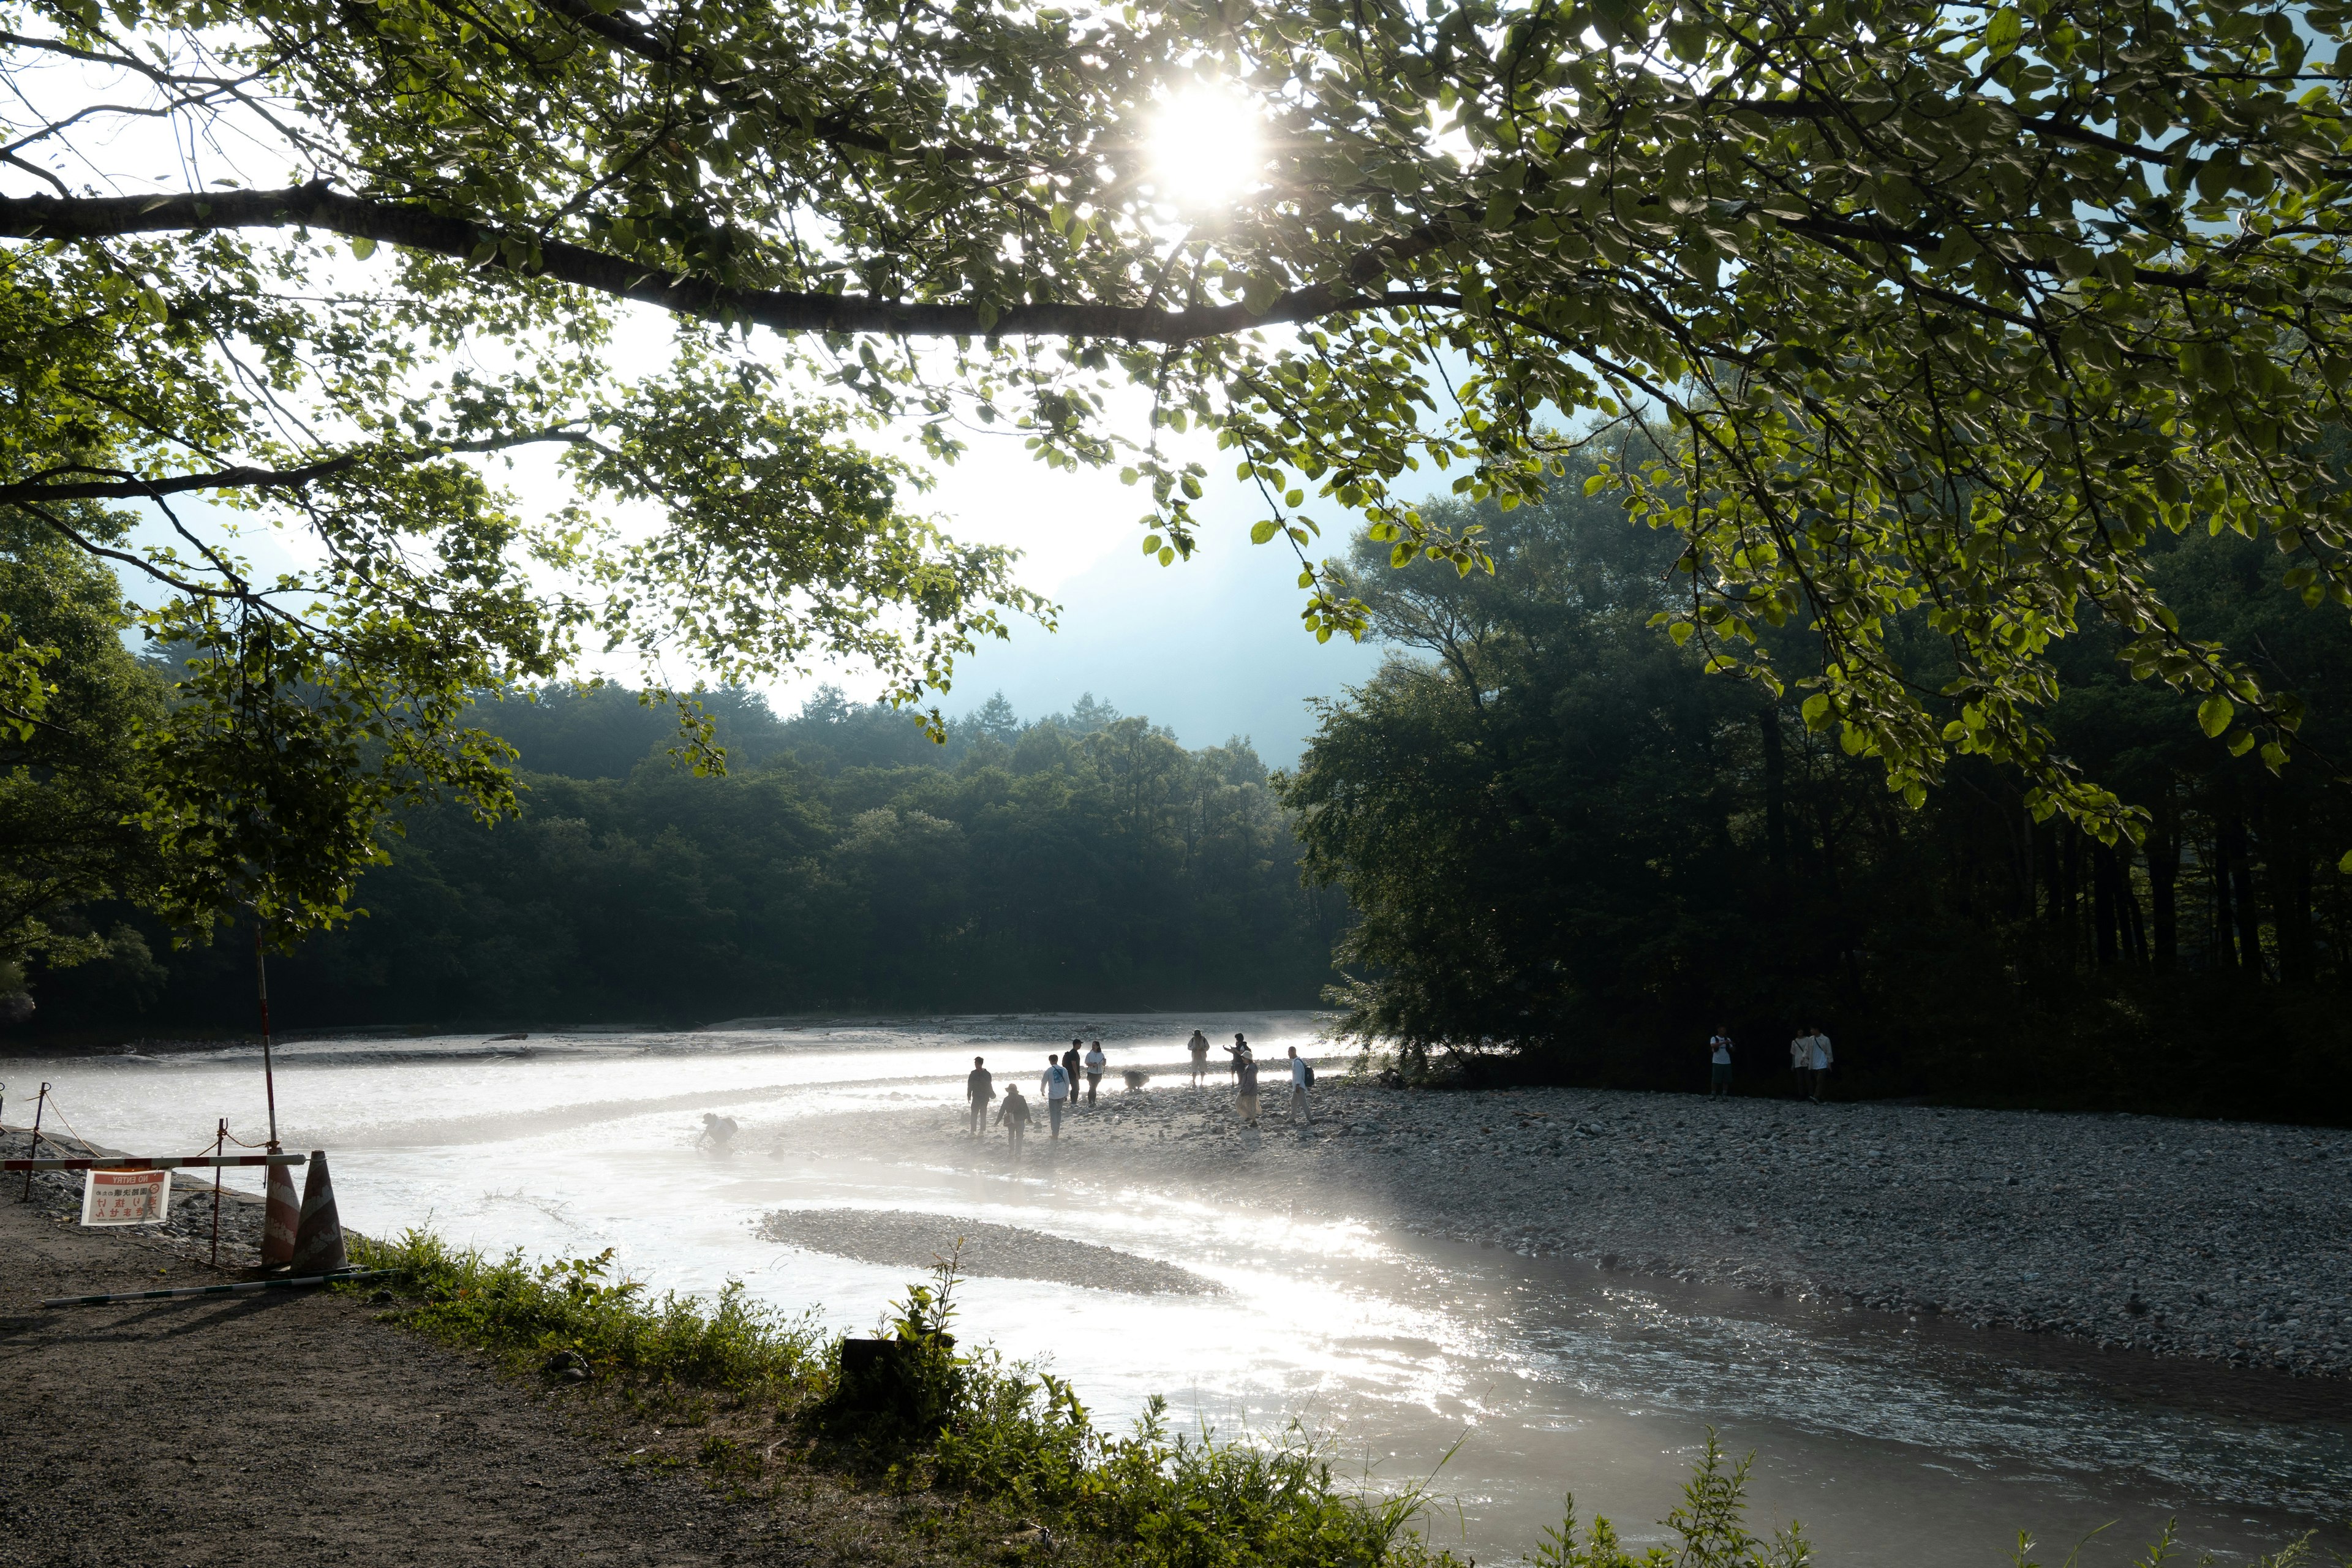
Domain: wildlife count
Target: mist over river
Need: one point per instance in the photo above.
(1255, 1301)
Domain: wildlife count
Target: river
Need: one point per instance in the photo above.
(1889, 1441)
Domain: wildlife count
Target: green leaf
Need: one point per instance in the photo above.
(2214, 713)
(1262, 531)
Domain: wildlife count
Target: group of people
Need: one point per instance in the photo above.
(1810, 1056)
(1058, 1085)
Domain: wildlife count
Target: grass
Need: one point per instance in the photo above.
(994, 1461)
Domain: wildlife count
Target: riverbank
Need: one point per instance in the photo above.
(2221, 1240)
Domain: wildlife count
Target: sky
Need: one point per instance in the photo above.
(1210, 647)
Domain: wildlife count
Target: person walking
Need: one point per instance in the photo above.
(1015, 1117)
(1801, 1057)
(1095, 1062)
(1823, 1057)
(1055, 1086)
(1199, 1046)
(1245, 1075)
(1238, 1053)
(1070, 1066)
(979, 1087)
(1301, 1078)
(1718, 1049)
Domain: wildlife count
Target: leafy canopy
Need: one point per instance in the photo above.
(1943, 307)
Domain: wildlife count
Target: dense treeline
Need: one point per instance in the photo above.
(845, 860)
(1574, 852)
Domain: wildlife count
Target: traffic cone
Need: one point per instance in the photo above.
(318, 1245)
(280, 1215)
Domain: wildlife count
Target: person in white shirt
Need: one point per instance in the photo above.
(1823, 1057)
(1719, 1059)
(1199, 1046)
(1301, 1075)
(1055, 1086)
(1801, 1056)
(1094, 1060)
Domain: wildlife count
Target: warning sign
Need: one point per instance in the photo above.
(126, 1197)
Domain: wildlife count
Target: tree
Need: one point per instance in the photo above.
(69, 795)
(1573, 847)
(1948, 309)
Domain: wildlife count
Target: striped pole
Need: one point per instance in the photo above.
(187, 1290)
(165, 1163)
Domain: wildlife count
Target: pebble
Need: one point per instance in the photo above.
(2215, 1240)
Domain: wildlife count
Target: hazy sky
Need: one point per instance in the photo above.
(1210, 648)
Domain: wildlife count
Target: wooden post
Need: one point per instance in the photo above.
(33, 1148)
(268, 1074)
(220, 1140)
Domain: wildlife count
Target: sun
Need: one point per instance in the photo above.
(1205, 150)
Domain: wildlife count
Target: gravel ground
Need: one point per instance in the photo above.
(998, 1251)
(307, 1428)
(2226, 1240)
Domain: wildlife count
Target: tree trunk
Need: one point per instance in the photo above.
(2288, 859)
(2242, 895)
(1775, 802)
(2224, 953)
(2134, 926)
(2163, 876)
(2104, 913)
(2070, 883)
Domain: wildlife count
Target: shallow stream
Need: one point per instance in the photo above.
(1928, 1445)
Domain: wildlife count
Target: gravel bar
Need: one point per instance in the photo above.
(2226, 1240)
(996, 1251)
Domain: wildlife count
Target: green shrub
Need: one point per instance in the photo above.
(533, 1316)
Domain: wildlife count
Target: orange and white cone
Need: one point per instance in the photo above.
(280, 1215)
(319, 1244)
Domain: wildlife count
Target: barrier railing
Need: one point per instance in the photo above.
(158, 1163)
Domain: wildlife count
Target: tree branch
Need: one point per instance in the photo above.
(418, 227)
(130, 487)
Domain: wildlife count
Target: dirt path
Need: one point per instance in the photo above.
(295, 1428)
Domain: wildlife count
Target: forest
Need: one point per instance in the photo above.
(1575, 855)
(1542, 843)
(843, 861)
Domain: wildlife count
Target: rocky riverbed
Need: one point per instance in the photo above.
(2230, 1241)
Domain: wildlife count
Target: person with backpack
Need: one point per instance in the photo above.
(1015, 1117)
(1302, 1078)
(1095, 1061)
(1055, 1086)
(979, 1087)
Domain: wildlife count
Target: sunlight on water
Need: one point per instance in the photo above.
(569, 1143)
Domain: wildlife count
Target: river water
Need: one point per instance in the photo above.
(1890, 1441)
